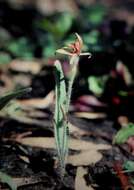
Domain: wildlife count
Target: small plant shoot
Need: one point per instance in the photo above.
(63, 91)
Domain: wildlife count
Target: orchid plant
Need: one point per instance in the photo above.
(63, 92)
(74, 49)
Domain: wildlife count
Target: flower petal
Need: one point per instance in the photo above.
(86, 53)
(63, 51)
(79, 40)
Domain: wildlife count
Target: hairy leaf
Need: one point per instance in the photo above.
(60, 114)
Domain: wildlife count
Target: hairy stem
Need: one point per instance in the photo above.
(73, 71)
(62, 101)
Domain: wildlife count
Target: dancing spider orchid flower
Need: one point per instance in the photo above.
(74, 48)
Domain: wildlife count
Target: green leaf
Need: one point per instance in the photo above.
(96, 14)
(6, 98)
(59, 27)
(60, 114)
(49, 50)
(64, 23)
(4, 178)
(62, 101)
(124, 133)
(97, 84)
(129, 166)
(21, 48)
(92, 37)
(4, 58)
(123, 93)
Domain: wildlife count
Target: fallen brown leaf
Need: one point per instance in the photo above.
(24, 115)
(22, 79)
(84, 158)
(123, 120)
(80, 183)
(76, 131)
(8, 83)
(25, 159)
(74, 144)
(90, 115)
(50, 6)
(33, 67)
(39, 103)
(47, 6)
(90, 100)
(123, 71)
(88, 150)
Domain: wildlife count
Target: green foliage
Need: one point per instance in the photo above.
(12, 110)
(123, 93)
(4, 58)
(48, 51)
(50, 46)
(124, 133)
(92, 37)
(129, 166)
(20, 48)
(4, 178)
(96, 14)
(97, 84)
(59, 27)
(93, 40)
(6, 98)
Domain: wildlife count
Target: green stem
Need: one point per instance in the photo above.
(62, 102)
(73, 71)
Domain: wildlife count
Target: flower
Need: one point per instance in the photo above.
(74, 48)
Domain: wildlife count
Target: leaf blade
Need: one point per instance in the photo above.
(6, 98)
